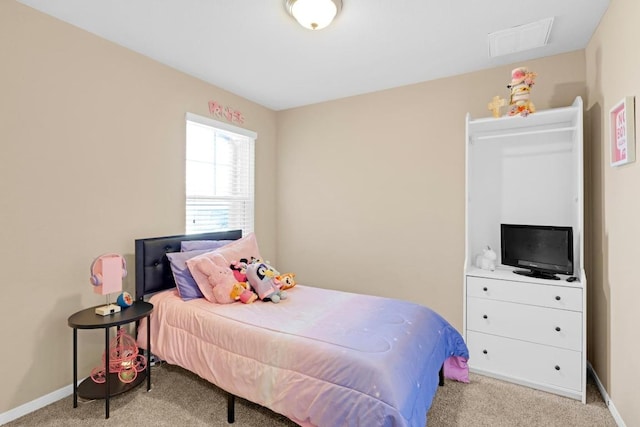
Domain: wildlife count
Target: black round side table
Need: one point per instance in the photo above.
(88, 319)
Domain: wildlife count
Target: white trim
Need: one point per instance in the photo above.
(36, 404)
(221, 125)
(605, 396)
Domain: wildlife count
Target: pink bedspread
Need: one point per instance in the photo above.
(321, 357)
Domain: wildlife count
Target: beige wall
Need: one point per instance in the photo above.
(371, 188)
(91, 158)
(613, 66)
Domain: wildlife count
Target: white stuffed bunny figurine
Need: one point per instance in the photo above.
(487, 260)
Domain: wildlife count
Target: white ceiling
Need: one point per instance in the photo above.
(254, 49)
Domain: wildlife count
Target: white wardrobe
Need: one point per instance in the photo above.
(525, 170)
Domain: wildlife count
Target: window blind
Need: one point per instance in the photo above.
(220, 166)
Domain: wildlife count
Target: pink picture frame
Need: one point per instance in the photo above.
(622, 132)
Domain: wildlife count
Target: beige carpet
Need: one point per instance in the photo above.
(179, 398)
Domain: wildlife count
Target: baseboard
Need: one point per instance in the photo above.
(48, 399)
(605, 396)
(36, 404)
(63, 392)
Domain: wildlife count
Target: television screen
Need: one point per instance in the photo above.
(542, 250)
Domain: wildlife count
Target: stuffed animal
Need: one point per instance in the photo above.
(215, 268)
(261, 277)
(241, 292)
(286, 281)
(487, 260)
(216, 278)
(520, 87)
(239, 269)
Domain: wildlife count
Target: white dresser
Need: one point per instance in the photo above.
(525, 330)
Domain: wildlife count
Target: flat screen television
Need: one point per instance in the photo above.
(542, 250)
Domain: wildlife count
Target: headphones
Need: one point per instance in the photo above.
(96, 268)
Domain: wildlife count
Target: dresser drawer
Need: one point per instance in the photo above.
(525, 361)
(561, 297)
(549, 326)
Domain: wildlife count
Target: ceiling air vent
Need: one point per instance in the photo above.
(522, 37)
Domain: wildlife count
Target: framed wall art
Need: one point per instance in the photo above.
(623, 133)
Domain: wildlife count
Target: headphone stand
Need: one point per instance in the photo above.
(105, 310)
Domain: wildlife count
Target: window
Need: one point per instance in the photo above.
(219, 176)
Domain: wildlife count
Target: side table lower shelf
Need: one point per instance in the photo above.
(88, 319)
(88, 389)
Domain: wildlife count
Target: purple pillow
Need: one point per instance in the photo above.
(186, 285)
(196, 245)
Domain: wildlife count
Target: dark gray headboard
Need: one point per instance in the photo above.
(153, 272)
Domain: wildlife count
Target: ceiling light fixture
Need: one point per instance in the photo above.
(313, 14)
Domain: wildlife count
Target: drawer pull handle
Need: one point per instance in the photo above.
(557, 297)
(484, 351)
(558, 329)
(484, 316)
(557, 368)
(485, 289)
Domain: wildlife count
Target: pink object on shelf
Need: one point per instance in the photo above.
(123, 360)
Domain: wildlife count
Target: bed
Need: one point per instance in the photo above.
(321, 357)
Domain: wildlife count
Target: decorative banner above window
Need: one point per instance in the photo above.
(223, 112)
